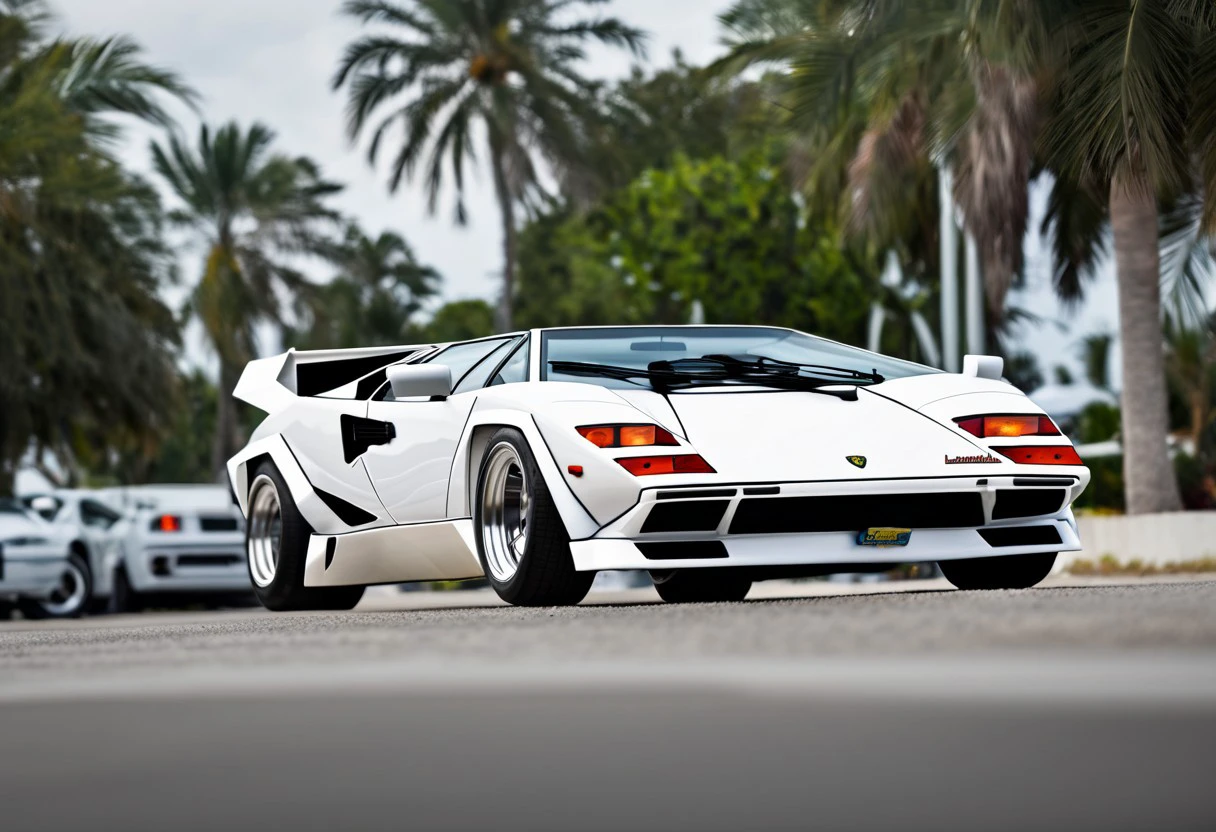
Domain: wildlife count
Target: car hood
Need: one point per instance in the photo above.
(757, 435)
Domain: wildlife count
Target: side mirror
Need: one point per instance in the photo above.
(984, 366)
(46, 506)
(413, 380)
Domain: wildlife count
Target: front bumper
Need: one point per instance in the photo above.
(191, 568)
(794, 524)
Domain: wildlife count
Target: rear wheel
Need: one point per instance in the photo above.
(276, 545)
(521, 540)
(1006, 572)
(691, 586)
(70, 596)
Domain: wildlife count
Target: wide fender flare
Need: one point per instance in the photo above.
(579, 523)
(320, 516)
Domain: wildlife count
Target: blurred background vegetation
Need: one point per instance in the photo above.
(775, 186)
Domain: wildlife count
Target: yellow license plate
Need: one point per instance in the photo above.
(884, 536)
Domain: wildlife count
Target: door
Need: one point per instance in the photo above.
(411, 472)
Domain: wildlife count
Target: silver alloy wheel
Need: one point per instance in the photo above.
(265, 531)
(69, 594)
(506, 506)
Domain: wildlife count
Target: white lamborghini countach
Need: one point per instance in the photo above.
(710, 456)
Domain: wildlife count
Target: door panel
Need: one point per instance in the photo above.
(411, 472)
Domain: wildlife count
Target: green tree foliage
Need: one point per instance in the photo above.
(453, 73)
(461, 320)
(86, 343)
(379, 289)
(255, 212)
(730, 235)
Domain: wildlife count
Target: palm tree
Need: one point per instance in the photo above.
(452, 72)
(373, 300)
(253, 210)
(87, 344)
(1134, 124)
(886, 90)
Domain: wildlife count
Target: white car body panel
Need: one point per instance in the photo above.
(414, 486)
(34, 554)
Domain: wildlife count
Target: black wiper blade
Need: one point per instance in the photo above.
(825, 372)
(695, 372)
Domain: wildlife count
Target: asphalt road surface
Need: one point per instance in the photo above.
(1060, 708)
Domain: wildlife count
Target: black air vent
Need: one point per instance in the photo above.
(218, 524)
(855, 512)
(687, 516)
(349, 514)
(360, 434)
(1027, 503)
(692, 550)
(1022, 536)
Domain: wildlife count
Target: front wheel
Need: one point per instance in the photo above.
(521, 541)
(1003, 572)
(692, 586)
(70, 596)
(276, 545)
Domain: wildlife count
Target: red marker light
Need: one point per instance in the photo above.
(575, 470)
(167, 523)
(1042, 455)
(646, 466)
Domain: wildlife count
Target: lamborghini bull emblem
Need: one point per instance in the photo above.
(859, 461)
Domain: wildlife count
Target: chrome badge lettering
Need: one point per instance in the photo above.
(970, 460)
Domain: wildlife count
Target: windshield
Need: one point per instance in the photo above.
(639, 347)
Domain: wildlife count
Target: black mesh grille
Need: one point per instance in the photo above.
(850, 513)
(691, 550)
(690, 516)
(1011, 503)
(1022, 536)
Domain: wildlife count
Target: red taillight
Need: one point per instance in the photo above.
(990, 427)
(167, 523)
(645, 466)
(626, 436)
(1042, 454)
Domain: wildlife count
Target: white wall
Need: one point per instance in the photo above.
(1150, 538)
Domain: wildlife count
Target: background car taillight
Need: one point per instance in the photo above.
(992, 427)
(626, 436)
(167, 523)
(644, 466)
(1042, 455)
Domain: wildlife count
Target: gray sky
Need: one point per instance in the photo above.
(271, 60)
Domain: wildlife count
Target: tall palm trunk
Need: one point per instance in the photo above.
(1148, 474)
(506, 206)
(225, 441)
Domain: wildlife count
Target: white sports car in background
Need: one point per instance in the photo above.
(180, 544)
(95, 533)
(710, 456)
(42, 572)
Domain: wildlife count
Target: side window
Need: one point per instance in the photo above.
(96, 516)
(479, 376)
(516, 368)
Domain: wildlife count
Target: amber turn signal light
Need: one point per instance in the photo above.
(626, 436)
(990, 427)
(645, 466)
(1042, 455)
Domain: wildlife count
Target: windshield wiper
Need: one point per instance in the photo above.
(713, 370)
(735, 366)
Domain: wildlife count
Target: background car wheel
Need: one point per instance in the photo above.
(1006, 572)
(70, 597)
(276, 544)
(690, 586)
(124, 598)
(522, 543)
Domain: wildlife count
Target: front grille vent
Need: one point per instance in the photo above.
(854, 512)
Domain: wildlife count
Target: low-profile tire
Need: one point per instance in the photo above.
(1003, 572)
(521, 541)
(276, 545)
(124, 598)
(700, 586)
(71, 596)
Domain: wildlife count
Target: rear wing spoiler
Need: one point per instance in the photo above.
(271, 384)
